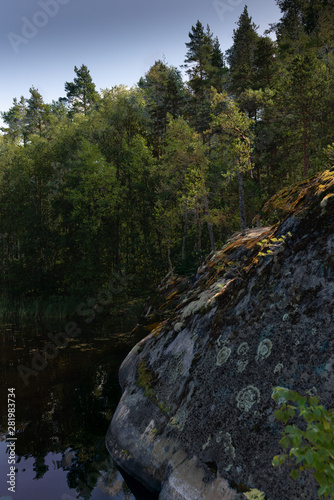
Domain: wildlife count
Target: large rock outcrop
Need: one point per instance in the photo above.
(196, 419)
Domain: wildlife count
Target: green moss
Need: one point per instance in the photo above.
(164, 408)
(299, 197)
(145, 380)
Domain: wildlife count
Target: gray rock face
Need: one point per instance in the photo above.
(196, 419)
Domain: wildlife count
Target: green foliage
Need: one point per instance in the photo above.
(255, 494)
(137, 182)
(206, 69)
(81, 93)
(241, 56)
(15, 120)
(270, 245)
(310, 446)
(329, 152)
(164, 94)
(235, 128)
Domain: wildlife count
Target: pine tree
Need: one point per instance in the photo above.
(305, 25)
(81, 93)
(37, 117)
(305, 94)
(15, 118)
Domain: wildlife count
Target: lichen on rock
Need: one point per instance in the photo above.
(248, 397)
(264, 349)
(223, 356)
(243, 349)
(242, 365)
(242, 325)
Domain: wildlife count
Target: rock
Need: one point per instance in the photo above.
(196, 418)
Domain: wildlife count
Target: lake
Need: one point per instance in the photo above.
(63, 408)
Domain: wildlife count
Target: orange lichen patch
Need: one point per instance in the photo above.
(267, 233)
(173, 281)
(152, 326)
(211, 280)
(172, 295)
(158, 329)
(250, 266)
(300, 196)
(327, 182)
(231, 246)
(218, 256)
(248, 240)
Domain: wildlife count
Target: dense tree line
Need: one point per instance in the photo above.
(133, 183)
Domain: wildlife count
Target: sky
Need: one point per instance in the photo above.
(118, 40)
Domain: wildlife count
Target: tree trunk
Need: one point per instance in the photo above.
(40, 187)
(207, 213)
(185, 228)
(242, 203)
(305, 170)
(168, 256)
(199, 231)
(159, 245)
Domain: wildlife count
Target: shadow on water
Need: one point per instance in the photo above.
(63, 411)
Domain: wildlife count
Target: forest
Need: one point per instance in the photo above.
(119, 187)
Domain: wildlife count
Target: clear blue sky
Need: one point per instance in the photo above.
(42, 40)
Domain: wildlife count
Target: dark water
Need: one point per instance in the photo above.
(63, 411)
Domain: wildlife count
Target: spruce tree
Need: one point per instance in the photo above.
(218, 71)
(199, 57)
(265, 64)
(205, 67)
(241, 56)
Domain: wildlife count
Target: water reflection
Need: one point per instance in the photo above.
(62, 415)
